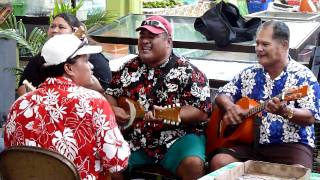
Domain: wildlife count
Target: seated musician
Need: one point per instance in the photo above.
(285, 131)
(154, 79)
(63, 116)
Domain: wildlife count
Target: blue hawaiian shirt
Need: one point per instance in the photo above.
(255, 83)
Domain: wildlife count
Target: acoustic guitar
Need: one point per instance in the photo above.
(219, 135)
(170, 114)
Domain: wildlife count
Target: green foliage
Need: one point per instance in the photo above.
(162, 4)
(98, 19)
(13, 29)
(61, 7)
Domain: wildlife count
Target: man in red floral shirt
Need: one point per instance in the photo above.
(157, 78)
(63, 116)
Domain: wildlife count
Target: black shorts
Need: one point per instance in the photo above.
(289, 153)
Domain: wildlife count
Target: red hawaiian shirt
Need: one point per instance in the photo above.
(182, 84)
(72, 120)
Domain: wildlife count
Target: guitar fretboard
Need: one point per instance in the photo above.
(261, 106)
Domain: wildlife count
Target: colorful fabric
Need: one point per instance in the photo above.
(255, 83)
(72, 120)
(184, 84)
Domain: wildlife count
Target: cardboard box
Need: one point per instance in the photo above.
(274, 170)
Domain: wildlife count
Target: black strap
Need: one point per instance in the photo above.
(167, 68)
(257, 123)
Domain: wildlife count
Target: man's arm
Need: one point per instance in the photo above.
(122, 116)
(300, 116)
(121, 152)
(190, 114)
(233, 113)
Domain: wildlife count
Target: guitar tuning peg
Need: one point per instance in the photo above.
(173, 123)
(165, 106)
(169, 106)
(178, 105)
(165, 121)
(148, 123)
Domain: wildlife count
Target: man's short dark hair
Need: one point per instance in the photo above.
(55, 70)
(281, 31)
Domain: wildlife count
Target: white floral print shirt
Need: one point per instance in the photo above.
(255, 83)
(72, 120)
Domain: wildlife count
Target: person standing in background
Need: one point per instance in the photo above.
(65, 23)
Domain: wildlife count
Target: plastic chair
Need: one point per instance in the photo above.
(34, 163)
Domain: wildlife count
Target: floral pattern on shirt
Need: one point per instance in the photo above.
(184, 84)
(255, 83)
(72, 120)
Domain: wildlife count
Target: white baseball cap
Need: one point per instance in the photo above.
(62, 47)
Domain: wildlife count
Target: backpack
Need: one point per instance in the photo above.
(224, 24)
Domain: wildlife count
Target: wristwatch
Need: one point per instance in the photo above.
(289, 113)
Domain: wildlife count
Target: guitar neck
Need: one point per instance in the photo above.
(136, 111)
(261, 106)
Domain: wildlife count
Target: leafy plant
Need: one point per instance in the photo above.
(61, 7)
(162, 4)
(98, 18)
(27, 44)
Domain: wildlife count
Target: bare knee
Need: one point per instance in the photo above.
(220, 160)
(191, 168)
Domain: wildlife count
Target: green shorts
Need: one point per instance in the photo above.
(186, 146)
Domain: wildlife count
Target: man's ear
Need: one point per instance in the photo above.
(285, 44)
(68, 69)
(169, 39)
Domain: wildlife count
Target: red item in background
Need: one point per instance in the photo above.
(307, 6)
(294, 2)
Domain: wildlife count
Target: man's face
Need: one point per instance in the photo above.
(269, 51)
(82, 73)
(153, 48)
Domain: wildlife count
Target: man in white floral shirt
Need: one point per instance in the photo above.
(286, 128)
(63, 116)
(157, 77)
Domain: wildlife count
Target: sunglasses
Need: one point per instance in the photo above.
(83, 43)
(154, 23)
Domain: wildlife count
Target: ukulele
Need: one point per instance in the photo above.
(218, 134)
(5, 12)
(170, 114)
(28, 85)
(81, 32)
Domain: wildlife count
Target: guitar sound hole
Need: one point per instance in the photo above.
(229, 130)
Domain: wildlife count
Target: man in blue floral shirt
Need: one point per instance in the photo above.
(157, 78)
(286, 133)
